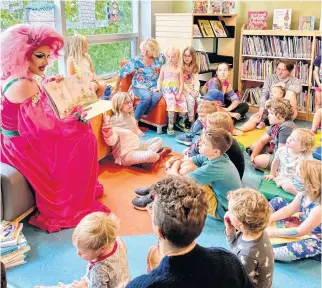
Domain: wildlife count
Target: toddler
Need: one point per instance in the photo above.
(96, 241)
(308, 204)
(191, 82)
(122, 133)
(299, 146)
(280, 114)
(79, 61)
(248, 213)
(171, 84)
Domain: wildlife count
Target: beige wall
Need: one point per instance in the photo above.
(304, 7)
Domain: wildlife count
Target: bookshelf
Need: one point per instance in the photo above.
(176, 30)
(256, 61)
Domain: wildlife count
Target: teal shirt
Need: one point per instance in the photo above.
(220, 173)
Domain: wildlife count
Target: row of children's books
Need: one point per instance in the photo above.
(273, 46)
(318, 47)
(210, 29)
(13, 244)
(204, 63)
(259, 69)
(257, 20)
(213, 7)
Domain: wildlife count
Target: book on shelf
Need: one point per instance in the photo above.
(21, 242)
(318, 47)
(205, 28)
(13, 238)
(282, 19)
(203, 60)
(274, 46)
(196, 31)
(306, 23)
(301, 101)
(200, 7)
(228, 7)
(215, 7)
(257, 20)
(252, 96)
(219, 28)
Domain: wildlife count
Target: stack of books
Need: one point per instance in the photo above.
(14, 246)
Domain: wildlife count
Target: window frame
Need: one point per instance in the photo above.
(60, 25)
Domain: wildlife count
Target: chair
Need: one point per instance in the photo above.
(158, 117)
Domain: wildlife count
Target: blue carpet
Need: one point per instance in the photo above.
(53, 257)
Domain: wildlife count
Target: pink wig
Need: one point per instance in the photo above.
(20, 41)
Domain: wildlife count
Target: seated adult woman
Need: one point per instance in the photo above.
(79, 61)
(178, 216)
(57, 157)
(281, 78)
(146, 68)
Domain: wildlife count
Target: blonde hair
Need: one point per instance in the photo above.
(194, 64)
(220, 120)
(250, 208)
(219, 138)
(176, 52)
(96, 230)
(207, 107)
(306, 137)
(281, 89)
(118, 100)
(310, 173)
(151, 45)
(281, 108)
(76, 47)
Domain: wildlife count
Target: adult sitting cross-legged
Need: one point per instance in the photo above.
(178, 216)
(146, 68)
(281, 78)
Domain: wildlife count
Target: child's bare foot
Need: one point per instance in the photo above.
(260, 125)
(164, 151)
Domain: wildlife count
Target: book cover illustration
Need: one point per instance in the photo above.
(196, 31)
(282, 19)
(218, 28)
(205, 28)
(215, 7)
(257, 20)
(228, 7)
(200, 7)
(72, 91)
(306, 23)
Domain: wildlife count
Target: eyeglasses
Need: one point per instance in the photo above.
(128, 102)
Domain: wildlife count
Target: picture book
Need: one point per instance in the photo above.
(282, 19)
(21, 242)
(219, 28)
(215, 7)
(72, 91)
(200, 7)
(8, 231)
(228, 7)
(306, 23)
(205, 28)
(257, 20)
(13, 238)
(196, 31)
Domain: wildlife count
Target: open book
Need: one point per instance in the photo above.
(72, 91)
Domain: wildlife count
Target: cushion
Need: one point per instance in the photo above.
(317, 153)
(270, 191)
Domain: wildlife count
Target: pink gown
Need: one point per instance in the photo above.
(57, 157)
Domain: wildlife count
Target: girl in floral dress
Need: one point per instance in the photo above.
(171, 84)
(308, 203)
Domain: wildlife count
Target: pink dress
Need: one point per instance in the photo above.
(57, 157)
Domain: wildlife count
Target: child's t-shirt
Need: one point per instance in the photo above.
(280, 134)
(112, 270)
(288, 164)
(317, 62)
(257, 256)
(220, 173)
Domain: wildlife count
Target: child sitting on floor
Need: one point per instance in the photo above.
(222, 120)
(248, 212)
(280, 114)
(96, 241)
(122, 133)
(299, 146)
(212, 167)
(308, 204)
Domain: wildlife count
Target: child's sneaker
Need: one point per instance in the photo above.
(170, 131)
(261, 125)
(141, 192)
(182, 126)
(142, 203)
(185, 139)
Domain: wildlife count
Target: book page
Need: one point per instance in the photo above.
(97, 108)
(72, 91)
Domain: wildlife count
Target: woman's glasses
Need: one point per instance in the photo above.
(128, 102)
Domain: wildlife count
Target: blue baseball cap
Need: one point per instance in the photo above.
(214, 95)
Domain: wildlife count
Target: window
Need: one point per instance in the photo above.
(110, 27)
